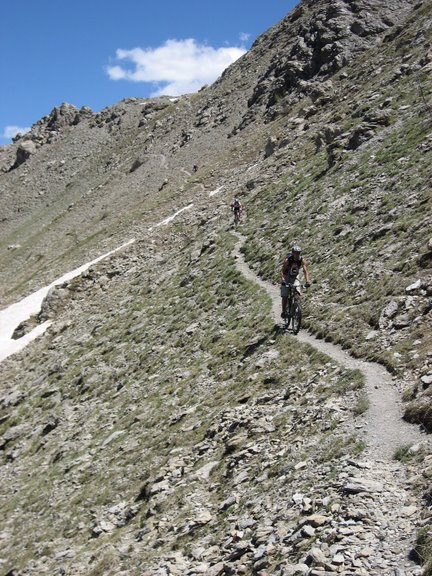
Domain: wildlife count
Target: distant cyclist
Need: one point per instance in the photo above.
(237, 208)
(289, 272)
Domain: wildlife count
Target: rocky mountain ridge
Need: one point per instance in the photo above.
(164, 424)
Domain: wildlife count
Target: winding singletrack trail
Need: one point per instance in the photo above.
(384, 429)
(386, 488)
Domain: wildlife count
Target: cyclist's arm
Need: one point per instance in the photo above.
(283, 270)
(306, 271)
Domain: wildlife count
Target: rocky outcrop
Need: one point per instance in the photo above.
(62, 116)
(164, 424)
(44, 131)
(314, 42)
(24, 151)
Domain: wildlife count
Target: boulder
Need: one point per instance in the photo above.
(24, 151)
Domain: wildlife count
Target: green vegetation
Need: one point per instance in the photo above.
(423, 549)
(164, 386)
(332, 450)
(406, 454)
(362, 404)
(159, 367)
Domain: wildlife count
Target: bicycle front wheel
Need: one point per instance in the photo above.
(296, 317)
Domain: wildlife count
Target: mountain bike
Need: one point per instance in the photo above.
(293, 314)
(236, 218)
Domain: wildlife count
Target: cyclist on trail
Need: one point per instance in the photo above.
(237, 208)
(289, 272)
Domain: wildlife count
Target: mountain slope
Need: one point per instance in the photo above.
(163, 424)
(87, 172)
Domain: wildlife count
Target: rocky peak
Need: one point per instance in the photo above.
(166, 422)
(59, 118)
(312, 43)
(43, 132)
(64, 115)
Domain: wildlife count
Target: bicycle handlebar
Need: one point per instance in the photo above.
(305, 285)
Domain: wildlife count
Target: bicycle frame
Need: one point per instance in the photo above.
(293, 295)
(294, 312)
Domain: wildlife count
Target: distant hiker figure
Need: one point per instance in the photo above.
(195, 168)
(237, 208)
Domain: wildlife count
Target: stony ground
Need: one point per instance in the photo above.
(380, 481)
(264, 469)
(164, 424)
(384, 428)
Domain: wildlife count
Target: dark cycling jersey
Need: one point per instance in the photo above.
(293, 267)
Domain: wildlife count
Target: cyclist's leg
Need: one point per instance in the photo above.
(284, 295)
(290, 299)
(297, 311)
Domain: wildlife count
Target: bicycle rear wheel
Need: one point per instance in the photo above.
(296, 318)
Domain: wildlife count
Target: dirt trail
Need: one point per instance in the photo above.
(387, 490)
(382, 424)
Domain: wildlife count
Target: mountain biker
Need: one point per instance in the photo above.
(289, 272)
(237, 208)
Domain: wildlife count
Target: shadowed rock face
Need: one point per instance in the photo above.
(23, 153)
(164, 423)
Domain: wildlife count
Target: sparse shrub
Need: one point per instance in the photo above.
(350, 380)
(362, 404)
(106, 567)
(359, 447)
(334, 448)
(422, 552)
(410, 393)
(406, 453)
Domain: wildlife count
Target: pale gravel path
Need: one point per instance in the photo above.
(384, 429)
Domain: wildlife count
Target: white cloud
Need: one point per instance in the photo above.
(12, 131)
(244, 37)
(177, 67)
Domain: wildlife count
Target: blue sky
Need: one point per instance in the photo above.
(97, 52)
